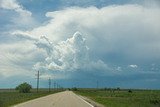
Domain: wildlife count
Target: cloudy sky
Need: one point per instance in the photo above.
(80, 42)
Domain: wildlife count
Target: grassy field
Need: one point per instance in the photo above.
(123, 98)
(11, 97)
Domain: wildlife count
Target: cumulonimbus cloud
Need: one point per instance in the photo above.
(120, 29)
(68, 55)
(119, 34)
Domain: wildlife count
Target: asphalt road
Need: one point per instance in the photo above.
(62, 99)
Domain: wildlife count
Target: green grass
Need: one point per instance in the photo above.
(12, 97)
(138, 98)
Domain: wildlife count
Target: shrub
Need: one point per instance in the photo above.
(74, 89)
(24, 87)
(130, 91)
(118, 89)
(155, 101)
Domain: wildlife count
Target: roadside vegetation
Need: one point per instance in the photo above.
(24, 88)
(10, 97)
(123, 98)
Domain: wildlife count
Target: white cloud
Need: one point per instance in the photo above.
(119, 68)
(54, 76)
(128, 30)
(14, 5)
(133, 66)
(18, 58)
(68, 55)
(9, 4)
(124, 30)
(20, 17)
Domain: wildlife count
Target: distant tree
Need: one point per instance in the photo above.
(74, 89)
(105, 89)
(24, 88)
(130, 91)
(118, 89)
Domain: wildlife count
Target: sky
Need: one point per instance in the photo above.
(78, 43)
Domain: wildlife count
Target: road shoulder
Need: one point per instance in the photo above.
(95, 104)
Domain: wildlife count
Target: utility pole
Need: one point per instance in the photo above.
(54, 85)
(97, 84)
(57, 86)
(49, 83)
(37, 81)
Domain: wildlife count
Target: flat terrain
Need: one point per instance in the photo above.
(107, 97)
(61, 99)
(123, 98)
(10, 97)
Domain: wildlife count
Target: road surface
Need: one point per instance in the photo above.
(62, 99)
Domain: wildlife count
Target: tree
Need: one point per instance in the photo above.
(130, 91)
(24, 87)
(74, 89)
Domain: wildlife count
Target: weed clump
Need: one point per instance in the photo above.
(155, 101)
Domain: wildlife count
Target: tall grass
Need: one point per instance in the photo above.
(12, 97)
(123, 98)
